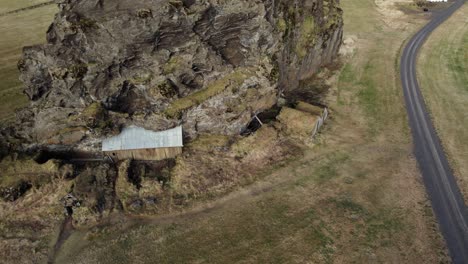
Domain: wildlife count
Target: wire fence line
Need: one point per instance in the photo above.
(27, 8)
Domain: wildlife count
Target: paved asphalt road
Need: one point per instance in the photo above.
(443, 191)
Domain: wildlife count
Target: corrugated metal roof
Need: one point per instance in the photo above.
(139, 138)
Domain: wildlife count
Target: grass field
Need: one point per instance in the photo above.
(356, 197)
(443, 74)
(9, 5)
(17, 30)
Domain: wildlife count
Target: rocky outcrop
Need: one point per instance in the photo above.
(209, 65)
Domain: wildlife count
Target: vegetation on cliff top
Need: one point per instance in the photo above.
(235, 79)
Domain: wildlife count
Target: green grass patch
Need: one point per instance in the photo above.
(348, 204)
(381, 227)
(325, 170)
(345, 81)
(329, 169)
(347, 74)
(368, 95)
(373, 228)
(458, 63)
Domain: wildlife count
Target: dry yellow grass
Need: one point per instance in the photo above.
(297, 122)
(16, 171)
(443, 75)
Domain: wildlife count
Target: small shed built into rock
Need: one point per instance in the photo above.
(141, 144)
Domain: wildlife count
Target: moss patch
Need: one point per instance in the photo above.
(307, 38)
(234, 79)
(281, 25)
(167, 89)
(143, 78)
(172, 65)
(93, 110)
(333, 14)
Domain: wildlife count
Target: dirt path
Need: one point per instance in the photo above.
(66, 230)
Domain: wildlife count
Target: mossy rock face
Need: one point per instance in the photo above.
(167, 89)
(141, 78)
(72, 135)
(172, 65)
(68, 135)
(333, 17)
(145, 13)
(236, 106)
(95, 116)
(234, 79)
(174, 62)
(251, 94)
(59, 73)
(274, 73)
(93, 111)
(78, 71)
(281, 25)
(307, 37)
